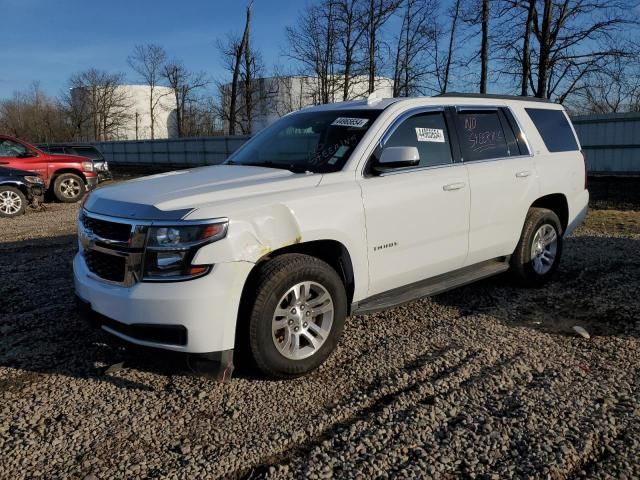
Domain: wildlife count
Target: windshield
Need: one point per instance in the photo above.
(318, 142)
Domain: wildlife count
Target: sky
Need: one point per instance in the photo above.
(48, 40)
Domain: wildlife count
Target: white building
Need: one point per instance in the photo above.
(274, 97)
(130, 114)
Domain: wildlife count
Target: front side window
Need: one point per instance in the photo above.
(554, 129)
(482, 136)
(428, 133)
(9, 148)
(317, 142)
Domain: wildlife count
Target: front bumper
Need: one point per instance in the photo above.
(92, 182)
(218, 365)
(104, 176)
(35, 194)
(206, 308)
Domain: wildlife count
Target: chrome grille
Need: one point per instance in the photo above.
(104, 265)
(112, 250)
(108, 230)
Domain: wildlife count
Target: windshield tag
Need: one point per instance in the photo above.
(430, 135)
(350, 122)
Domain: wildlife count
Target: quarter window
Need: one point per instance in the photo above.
(554, 129)
(428, 132)
(482, 136)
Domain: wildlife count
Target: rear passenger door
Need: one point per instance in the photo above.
(502, 179)
(417, 218)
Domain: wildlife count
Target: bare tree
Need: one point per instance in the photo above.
(484, 48)
(377, 14)
(350, 32)
(614, 88)
(34, 116)
(234, 52)
(184, 84)
(417, 35)
(575, 38)
(313, 44)
(97, 105)
(148, 62)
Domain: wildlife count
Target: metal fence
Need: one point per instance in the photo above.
(611, 142)
(178, 152)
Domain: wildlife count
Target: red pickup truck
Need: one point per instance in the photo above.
(67, 177)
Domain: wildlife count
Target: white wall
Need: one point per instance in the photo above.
(164, 113)
(277, 96)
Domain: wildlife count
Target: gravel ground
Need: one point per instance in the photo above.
(487, 381)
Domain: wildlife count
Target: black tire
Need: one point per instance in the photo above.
(69, 188)
(274, 279)
(523, 263)
(9, 197)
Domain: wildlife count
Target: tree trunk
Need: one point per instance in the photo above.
(372, 46)
(484, 53)
(452, 36)
(236, 73)
(545, 40)
(151, 113)
(526, 59)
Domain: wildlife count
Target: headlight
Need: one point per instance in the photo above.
(171, 249)
(32, 179)
(87, 166)
(105, 167)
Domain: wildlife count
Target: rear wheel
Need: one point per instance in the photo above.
(12, 202)
(538, 253)
(69, 188)
(297, 316)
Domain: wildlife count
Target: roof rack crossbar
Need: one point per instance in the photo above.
(492, 95)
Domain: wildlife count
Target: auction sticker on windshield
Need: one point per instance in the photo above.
(350, 122)
(430, 135)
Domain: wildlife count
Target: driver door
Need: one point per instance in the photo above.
(16, 155)
(417, 218)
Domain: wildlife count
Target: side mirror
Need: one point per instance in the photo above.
(27, 154)
(397, 157)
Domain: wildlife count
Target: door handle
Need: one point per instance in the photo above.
(523, 174)
(453, 186)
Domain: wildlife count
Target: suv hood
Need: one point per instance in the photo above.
(158, 196)
(66, 158)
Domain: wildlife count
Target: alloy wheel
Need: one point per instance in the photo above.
(544, 249)
(302, 321)
(10, 202)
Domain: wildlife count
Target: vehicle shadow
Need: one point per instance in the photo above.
(41, 332)
(596, 287)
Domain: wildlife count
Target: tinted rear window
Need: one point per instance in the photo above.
(482, 136)
(554, 129)
(89, 152)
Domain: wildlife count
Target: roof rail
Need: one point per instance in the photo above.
(492, 95)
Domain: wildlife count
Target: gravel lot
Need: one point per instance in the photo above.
(487, 381)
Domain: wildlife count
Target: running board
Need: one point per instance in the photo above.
(431, 286)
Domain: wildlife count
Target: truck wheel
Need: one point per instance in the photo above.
(297, 316)
(538, 253)
(12, 202)
(69, 187)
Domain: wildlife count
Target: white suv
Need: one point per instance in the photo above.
(332, 211)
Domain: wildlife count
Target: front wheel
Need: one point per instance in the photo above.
(12, 202)
(297, 316)
(69, 188)
(538, 253)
